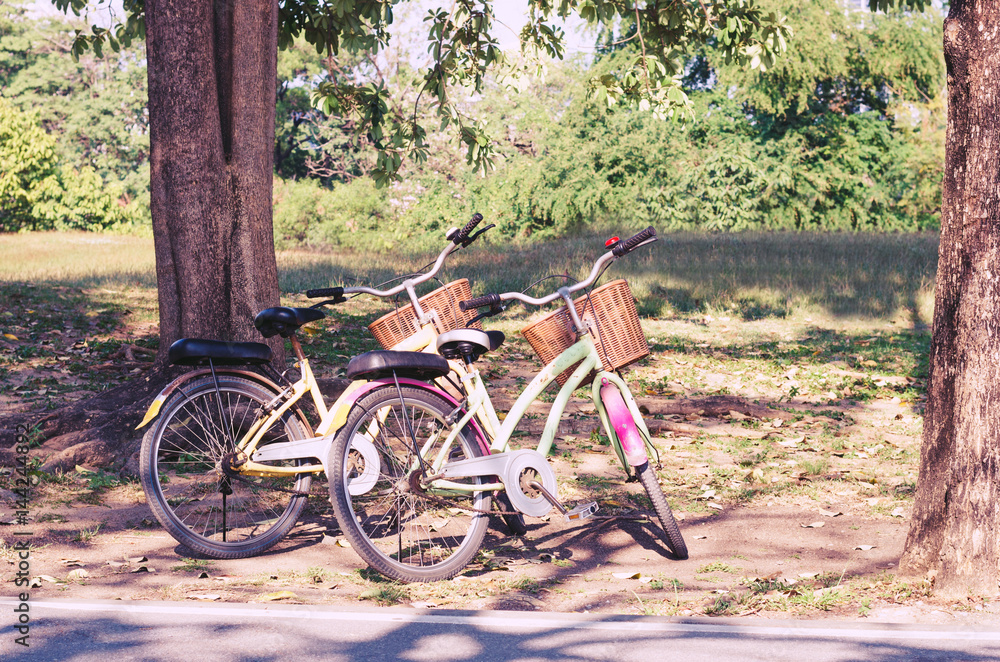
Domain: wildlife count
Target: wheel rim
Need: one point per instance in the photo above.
(406, 527)
(200, 499)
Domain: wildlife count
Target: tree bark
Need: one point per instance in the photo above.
(212, 76)
(955, 532)
(212, 71)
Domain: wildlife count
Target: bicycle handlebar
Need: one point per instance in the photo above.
(479, 302)
(329, 292)
(642, 238)
(457, 239)
(646, 236)
(463, 234)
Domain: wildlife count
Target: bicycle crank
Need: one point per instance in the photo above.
(524, 475)
(517, 469)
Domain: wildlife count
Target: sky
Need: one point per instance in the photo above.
(511, 13)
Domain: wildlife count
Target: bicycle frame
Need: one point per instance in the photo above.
(332, 419)
(583, 351)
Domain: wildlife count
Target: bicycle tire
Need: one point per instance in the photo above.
(514, 520)
(672, 533)
(393, 528)
(180, 462)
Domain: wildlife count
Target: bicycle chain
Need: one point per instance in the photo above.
(238, 477)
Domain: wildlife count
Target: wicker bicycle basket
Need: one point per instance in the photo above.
(400, 324)
(618, 336)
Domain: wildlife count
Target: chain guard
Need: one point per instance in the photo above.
(524, 466)
(366, 480)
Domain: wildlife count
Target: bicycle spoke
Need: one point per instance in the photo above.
(220, 516)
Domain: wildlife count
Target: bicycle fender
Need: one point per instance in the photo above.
(638, 424)
(621, 421)
(377, 383)
(154, 407)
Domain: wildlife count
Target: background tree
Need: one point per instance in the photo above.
(955, 534)
(73, 131)
(211, 85)
(212, 97)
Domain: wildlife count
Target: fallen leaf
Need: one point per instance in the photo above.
(814, 525)
(137, 559)
(899, 512)
(10, 336)
(144, 568)
(717, 506)
(343, 543)
(423, 605)
(71, 562)
(49, 578)
(830, 513)
(776, 423)
(627, 575)
(865, 548)
(277, 595)
(699, 537)
(203, 596)
(79, 573)
(737, 416)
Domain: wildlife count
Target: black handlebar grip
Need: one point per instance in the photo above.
(630, 244)
(469, 227)
(328, 292)
(480, 302)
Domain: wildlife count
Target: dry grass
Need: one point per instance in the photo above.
(750, 275)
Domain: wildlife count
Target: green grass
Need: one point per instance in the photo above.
(748, 275)
(193, 565)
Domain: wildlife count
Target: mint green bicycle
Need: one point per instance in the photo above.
(411, 474)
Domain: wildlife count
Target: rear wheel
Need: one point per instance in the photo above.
(394, 524)
(672, 534)
(205, 509)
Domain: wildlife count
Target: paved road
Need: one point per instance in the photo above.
(103, 631)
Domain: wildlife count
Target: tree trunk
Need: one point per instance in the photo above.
(212, 77)
(212, 70)
(955, 532)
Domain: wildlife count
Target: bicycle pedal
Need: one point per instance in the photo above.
(583, 511)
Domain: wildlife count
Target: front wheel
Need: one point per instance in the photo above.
(210, 512)
(399, 526)
(673, 538)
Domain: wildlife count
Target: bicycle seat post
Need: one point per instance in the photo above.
(296, 347)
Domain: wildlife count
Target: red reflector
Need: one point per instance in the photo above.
(611, 242)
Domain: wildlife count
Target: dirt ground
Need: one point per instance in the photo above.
(791, 507)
